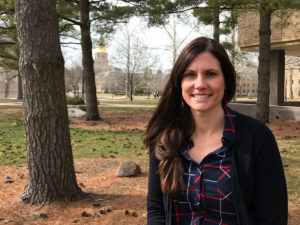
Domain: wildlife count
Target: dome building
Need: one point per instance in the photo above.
(108, 79)
(100, 61)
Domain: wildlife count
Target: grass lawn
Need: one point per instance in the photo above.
(9, 100)
(85, 143)
(127, 145)
(126, 110)
(290, 154)
(11, 107)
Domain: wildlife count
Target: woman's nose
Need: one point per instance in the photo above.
(200, 81)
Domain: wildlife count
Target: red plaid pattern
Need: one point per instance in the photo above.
(207, 196)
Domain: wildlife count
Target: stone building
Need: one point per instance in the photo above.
(8, 83)
(285, 40)
(247, 83)
(292, 83)
(247, 86)
(101, 60)
(108, 79)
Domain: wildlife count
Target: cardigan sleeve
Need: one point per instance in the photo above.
(155, 207)
(270, 185)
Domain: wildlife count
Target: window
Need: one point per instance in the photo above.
(299, 93)
(253, 91)
(243, 84)
(299, 81)
(248, 85)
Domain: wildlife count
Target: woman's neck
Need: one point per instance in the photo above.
(207, 123)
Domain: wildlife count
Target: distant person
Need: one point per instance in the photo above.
(210, 164)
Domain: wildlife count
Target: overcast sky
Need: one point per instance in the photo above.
(156, 39)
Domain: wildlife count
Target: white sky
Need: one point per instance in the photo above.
(154, 38)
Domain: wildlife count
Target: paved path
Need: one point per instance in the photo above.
(126, 105)
(11, 103)
(101, 104)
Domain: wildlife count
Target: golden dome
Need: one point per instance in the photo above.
(101, 49)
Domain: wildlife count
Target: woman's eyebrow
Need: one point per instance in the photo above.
(187, 71)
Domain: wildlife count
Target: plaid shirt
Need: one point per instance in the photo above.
(207, 197)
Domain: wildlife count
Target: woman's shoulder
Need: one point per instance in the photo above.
(250, 125)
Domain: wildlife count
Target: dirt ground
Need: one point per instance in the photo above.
(112, 200)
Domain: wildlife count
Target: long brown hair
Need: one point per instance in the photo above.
(172, 123)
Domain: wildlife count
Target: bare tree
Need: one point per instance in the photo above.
(73, 78)
(7, 76)
(132, 58)
(176, 42)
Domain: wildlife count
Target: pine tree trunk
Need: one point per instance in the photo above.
(88, 62)
(262, 104)
(6, 88)
(50, 161)
(20, 88)
(131, 91)
(216, 24)
(82, 87)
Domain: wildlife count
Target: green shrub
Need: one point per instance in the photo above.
(76, 100)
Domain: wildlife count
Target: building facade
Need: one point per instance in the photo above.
(108, 79)
(247, 82)
(292, 83)
(8, 83)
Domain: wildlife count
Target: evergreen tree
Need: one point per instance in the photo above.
(50, 161)
(105, 16)
(209, 11)
(266, 8)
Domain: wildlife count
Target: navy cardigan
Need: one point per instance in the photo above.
(258, 181)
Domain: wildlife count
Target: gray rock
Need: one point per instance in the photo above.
(127, 169)
(75, 112)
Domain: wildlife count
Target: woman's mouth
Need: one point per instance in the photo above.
(200, 96)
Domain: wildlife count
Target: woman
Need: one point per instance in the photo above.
(208, 163)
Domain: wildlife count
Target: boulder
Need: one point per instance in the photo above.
(128, 168)
(75, 112)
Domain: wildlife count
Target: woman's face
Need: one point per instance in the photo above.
(203, 83)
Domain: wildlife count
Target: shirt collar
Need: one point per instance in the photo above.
(228, 132)
(229, 127)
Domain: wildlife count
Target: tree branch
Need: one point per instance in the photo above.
(9, 57)
(70, 43)
(8, 28)
(7, 43)
(75, 22)
(9, 11)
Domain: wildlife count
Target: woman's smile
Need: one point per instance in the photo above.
(203, 83)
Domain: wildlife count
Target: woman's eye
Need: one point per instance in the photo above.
(210, 73)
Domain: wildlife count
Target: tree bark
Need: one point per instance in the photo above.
(262, 104)
(88, 62)
(6, 88)
(50, 161)
(216, 24)
(131, 90)
(20, 89)
(82, 87)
